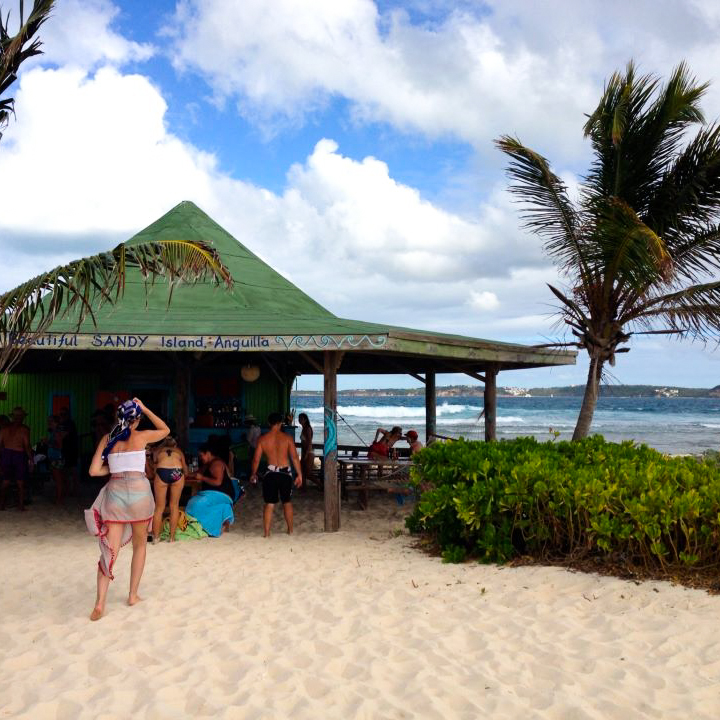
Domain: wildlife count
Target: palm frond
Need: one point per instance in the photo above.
(687, 197)
(14, 50)
(696, 255)
(628, 250)
(636, 132)
(548, 211)
(693, 311)
(81, 287)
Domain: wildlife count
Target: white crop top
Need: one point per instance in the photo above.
(121, 462)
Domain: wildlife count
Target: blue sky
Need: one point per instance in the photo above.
(350, 144)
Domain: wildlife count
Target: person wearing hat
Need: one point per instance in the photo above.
(412, 438)
(16, 457)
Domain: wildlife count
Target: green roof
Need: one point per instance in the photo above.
(262, 302)
(260, 299)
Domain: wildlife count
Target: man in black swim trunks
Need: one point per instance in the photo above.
(279, 449)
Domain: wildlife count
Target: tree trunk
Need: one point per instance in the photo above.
(592, 390)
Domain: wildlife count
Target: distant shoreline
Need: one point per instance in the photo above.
(449, 391)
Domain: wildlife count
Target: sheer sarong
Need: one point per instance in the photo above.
(126, 499)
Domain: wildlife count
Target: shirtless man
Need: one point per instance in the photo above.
(412, 438)
(16, 456)
(278, 448)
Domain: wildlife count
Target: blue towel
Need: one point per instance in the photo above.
(211, 508)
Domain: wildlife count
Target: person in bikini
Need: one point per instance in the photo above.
(16, 457)
(168, 463)
(307, 456)
(124, 508)
(383, 443)
(279, 449)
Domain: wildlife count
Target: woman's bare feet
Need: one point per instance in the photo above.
(134, 599)
(96, 614)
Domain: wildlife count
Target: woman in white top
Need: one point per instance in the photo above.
(123, 510)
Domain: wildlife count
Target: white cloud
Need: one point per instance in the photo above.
(510, 66)
(346, 231)
(458, 78)
(98, 168)
(483, 300)
(79, 33)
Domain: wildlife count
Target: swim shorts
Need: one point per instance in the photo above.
(277, 484)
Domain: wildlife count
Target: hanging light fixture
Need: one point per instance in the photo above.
(250, 373)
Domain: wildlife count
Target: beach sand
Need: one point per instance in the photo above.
(355, 624)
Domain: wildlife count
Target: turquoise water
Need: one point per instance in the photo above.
(674, 425)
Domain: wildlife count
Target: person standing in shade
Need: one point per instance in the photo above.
(279, 449)
(170, 470)
(16, 457)
(253, 432)
(307, 456)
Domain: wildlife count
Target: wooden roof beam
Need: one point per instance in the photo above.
(274, 371)
(403, 370)
(470, 373)
(311, 361)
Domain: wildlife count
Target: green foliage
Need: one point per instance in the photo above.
(454, 554)
(568, 500)
(81, 286)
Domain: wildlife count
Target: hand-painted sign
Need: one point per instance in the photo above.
(207, 343)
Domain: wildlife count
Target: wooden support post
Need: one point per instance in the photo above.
(331, 490)
(490, 404)
(182, 402)
(430, 408)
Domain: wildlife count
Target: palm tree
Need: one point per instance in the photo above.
(640, 248)
(82, 286)
(15, 49)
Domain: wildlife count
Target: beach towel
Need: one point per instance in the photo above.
(126, 498)
(212, 508)
(188, 528)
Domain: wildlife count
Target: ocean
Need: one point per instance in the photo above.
(671, 425)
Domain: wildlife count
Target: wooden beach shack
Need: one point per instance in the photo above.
(214, 356)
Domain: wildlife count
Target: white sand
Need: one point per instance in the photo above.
(356, 624)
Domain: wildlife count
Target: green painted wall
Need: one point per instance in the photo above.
(34, 392)
(266, 395)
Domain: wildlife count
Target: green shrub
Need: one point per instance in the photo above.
(454, 554)
(568, 500)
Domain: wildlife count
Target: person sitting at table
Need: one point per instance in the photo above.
(221, 448)
(212, 507)
(168, 463)
(404, 491)
(383, 443)
(415, 445)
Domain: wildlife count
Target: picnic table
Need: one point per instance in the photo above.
(362, 475)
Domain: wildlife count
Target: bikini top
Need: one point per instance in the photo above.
(133, 461)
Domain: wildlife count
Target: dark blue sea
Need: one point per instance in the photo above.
(672, 425)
